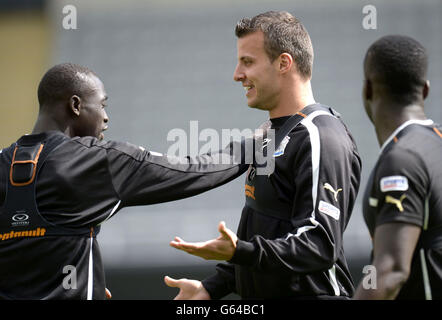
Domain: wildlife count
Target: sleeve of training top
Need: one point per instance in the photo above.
(222, 283)
(327, 174)
(400, 188)
(141, 177)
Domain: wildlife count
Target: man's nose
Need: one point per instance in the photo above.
(238, 74)
(106, 118)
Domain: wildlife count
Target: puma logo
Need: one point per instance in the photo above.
(398, 203)
(327, 186)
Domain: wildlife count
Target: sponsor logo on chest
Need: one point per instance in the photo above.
(20, 219)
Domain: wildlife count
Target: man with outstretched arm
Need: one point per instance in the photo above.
(62, 181)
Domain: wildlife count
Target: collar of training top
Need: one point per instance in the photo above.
(31, 139)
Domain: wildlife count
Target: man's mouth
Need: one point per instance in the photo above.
(248, 89)
(101, 136)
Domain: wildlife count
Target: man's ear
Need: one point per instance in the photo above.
(75, 105)
(368, 90)
(285, 62)
(426, 90)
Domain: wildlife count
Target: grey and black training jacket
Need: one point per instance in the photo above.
(291, 230)
(56, 191)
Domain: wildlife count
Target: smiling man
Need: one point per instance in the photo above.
(289, 240)
(59, 183)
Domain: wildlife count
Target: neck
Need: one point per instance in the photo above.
(293, 99)
(47, 123)
(389, 116)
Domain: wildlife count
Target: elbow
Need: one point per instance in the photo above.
(395, 270)
(401, 275)
(325, 259)
(393, 279)
(330, 255)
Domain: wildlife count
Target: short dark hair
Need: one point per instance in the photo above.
(283, 33)
(62, 81)
(398, 62)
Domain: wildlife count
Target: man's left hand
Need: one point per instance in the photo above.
(221, 248)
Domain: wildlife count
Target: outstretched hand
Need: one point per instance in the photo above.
(221, 248)
(189, 289)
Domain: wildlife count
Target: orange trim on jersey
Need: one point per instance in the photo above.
(301, 114)
(395, 139)
(438, 132)
(250, 191)
(34, 162)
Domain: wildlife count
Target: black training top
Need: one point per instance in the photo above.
(291, 230)
(406, 186)
(82, 183)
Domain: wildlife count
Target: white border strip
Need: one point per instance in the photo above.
(334, 282)
(426, 122)
(315, 142)
(425, 277)
(427, 286)
(113, 211)
(90, 277)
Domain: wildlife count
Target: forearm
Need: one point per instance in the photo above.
(394, 245)
(222, 283)
(142, 178)
(384, 286)
(300, 254)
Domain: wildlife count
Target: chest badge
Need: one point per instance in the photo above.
(281, 147)
(265, 142)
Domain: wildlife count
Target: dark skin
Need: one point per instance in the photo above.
(75, 115)
(393, 247)
(393, 243)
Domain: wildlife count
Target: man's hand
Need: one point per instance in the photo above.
(108, 293)
(221, 248)
(189, 289)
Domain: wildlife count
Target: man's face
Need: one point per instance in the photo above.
(258, 75)
(93, 118)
